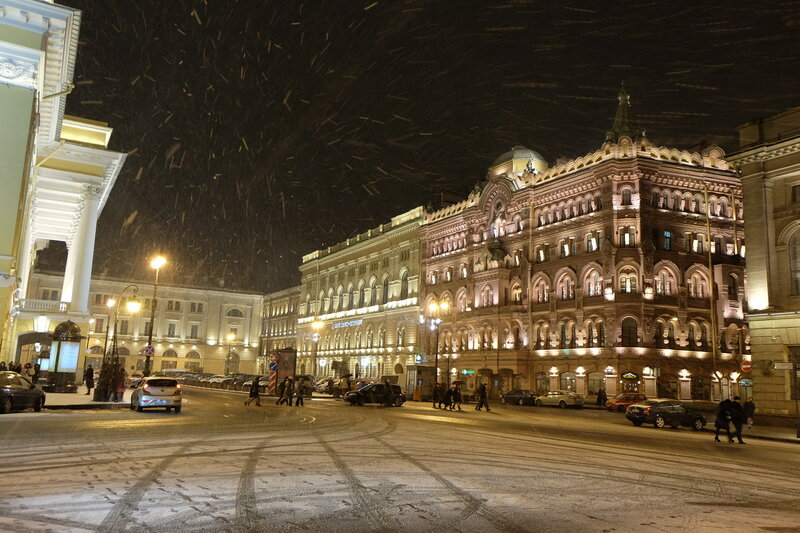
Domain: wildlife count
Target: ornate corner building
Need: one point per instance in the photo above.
(769, 165)
(593, 274)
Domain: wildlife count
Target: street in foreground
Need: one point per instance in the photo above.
(221, 466)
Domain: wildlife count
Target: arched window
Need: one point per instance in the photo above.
(385, 289)
(516, 294)
(487, 296)
(169, 353)
(362, 295)
(692, 338)
(626, 197)
(658, 335)
(590, 335)
(404, 285)
(562, 335)
(665, 282)
(541, 291)
(330, 302)
(671, 335)
(627, 237)
(733, 287)
(601, 334)
(401, 336)
(373, 292)
(566, 288)
(234, 312)
(629, 333)
(340, 299)
(627, 281)
(308, 304)
(593, 283)
(567, 381)
(697, 285)
(794, 262)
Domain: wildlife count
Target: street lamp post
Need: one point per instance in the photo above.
(316, 326)
(432, 319)
(110, 367)
(712, 290)
(450, 358)
(156, 263)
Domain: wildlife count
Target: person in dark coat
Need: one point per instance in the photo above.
(387, 393)
(119, 385)
(448, 398)
(456, 398)
(483, 398)
(88, 379)
(37, 371)
(437, 396)
(298, 393)
(3, 366)
(288, 392)
(737, 417)
(723, 420)
(282, 390)
(749, 409)
(254, 392)
(601, 397)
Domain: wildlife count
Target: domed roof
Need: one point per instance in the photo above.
(67, 331)
(519, 152)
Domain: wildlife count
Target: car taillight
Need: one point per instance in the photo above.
(146, 389)
(646, 411)
(177, 390)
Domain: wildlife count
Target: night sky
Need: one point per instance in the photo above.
(259, 131)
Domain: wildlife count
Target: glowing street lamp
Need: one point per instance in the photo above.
(432, 319)
(157, 262)
(110, 367)
(317, 325)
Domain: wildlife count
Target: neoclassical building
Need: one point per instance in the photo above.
(768, 162)
(594, 273)
(279, 324)
(196, 329)
(57, 172)
(358, 309)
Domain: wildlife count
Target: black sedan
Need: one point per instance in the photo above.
(519, 397)
(17, 394)
(665, 412)
(376, 393)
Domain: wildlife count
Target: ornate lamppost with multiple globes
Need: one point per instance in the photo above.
(110, 367)
(432, 319)
(157, 262)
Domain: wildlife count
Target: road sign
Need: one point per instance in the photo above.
(747, 366)
(149, 350)
(273, 366)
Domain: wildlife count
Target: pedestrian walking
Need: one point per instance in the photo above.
(37, 371)
(601, 398)
(437, 396)
(723, 420)
(448, 399)
(88, 379)
(483, 400)
(456, 398)
(3, 367)
(254, 392)
(387, 393)
(281, 392)
(749, 409)
(289, 391)
(737, 417)
(298, 393)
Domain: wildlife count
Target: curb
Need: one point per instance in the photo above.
(99, 405)
(763, 437)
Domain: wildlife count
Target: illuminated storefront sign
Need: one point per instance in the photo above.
(349, 324)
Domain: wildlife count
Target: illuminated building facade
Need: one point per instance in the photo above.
(593, 274)
(358, 311)
(196, 329)
(55, 170)
(768, 162)
(279, 324)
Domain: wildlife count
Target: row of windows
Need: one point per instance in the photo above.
(358, 340)
(374, 265)
(357, 296)
(568, 210)
(692, 203)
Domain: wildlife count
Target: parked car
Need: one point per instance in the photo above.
(560, 398)
(205, 381)
(325, 385)
(17, 394)
(623, 401)
(156, 391)
(519, 397)
(376, 393)
(238, 380)
(215, 380)
(665, 412)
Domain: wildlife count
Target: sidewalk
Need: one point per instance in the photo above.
(80, 400)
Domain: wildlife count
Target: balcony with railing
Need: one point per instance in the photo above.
(30, 305)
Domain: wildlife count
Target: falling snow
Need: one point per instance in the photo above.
(260, 131)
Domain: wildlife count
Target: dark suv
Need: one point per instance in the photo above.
(376, 393)
(665, 412)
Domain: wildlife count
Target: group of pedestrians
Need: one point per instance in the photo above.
(732, 412)
(28, 371)
(287, 391)
(451, 398)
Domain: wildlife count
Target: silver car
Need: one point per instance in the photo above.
(157, 392)
(560, 398)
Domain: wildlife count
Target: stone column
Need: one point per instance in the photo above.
(78, 273)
